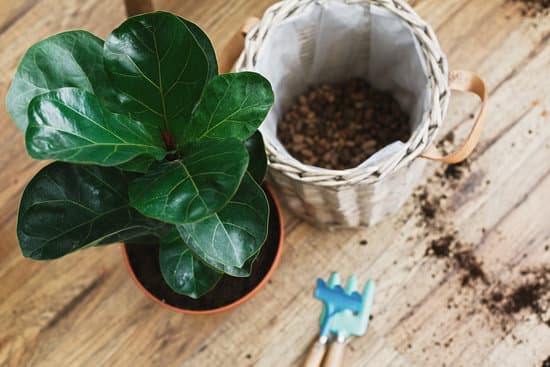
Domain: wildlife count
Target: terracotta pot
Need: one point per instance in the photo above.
(275, 237)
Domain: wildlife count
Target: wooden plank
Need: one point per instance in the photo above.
(135, 7)
(84, 310)
(12, 11)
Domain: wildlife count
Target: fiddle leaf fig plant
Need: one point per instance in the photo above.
(149, 141)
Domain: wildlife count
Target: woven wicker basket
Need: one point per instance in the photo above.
(359, 196)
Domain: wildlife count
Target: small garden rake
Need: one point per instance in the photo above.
(346, 312)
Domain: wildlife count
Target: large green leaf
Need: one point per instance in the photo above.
(192, 188)
(233, 105)
(160, 64)
(67, 207)
(234, 271)
(182, 270)
(235, 233)
(71, 125)
(69, 59)
(257, 165)
(204, 42)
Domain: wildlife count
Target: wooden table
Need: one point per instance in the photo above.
(84, 310)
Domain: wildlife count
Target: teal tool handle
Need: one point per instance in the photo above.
(316, 353)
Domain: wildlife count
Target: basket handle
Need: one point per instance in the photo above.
(464, 81)
(235, 45)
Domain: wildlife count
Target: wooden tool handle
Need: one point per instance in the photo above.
(316, 354)
(335, 356)
(464, 81)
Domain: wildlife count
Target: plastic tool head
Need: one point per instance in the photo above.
(346, 312)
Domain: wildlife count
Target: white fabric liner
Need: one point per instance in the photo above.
(331, 41)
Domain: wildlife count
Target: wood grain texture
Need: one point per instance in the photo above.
(84, 310)
(135, 7)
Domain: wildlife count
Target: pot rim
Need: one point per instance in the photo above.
(239, 301)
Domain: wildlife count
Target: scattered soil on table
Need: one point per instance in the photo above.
(144, 261)
(340, 125)
(456, 171)
(532, 8)
(528, 295)
(528, 291)
(428, 206)
(441, 247)
(459, 256)
(452, 173)
(471, 267)
(531, 293)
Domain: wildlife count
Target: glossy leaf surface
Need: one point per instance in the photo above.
(69, 59)
(243, 271)
(67, 207)
(233, 105)
(71, 125)
(235, 233)
(194, 187)
(160, 64)
(182, 270)
(257, 165)
(204, 43)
